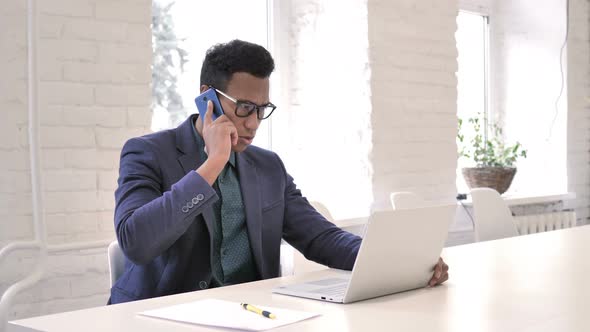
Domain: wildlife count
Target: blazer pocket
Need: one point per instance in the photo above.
(272, 205)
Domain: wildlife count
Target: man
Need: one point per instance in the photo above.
(199, 207)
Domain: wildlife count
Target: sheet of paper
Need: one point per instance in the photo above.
(227, 314)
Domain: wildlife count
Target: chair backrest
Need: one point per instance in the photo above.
(493, 218)
(286, 259)
(116, 261)
(292, 261)
(405, 200)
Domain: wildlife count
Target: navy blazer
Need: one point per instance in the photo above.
(164, 212)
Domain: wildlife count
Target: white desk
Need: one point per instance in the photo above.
(529, 283)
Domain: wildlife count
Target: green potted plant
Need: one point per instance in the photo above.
(493, 159)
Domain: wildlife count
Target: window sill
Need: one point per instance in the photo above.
(523, 199)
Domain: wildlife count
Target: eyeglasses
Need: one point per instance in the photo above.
(245, 108)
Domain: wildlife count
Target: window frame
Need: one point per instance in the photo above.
(487, 79)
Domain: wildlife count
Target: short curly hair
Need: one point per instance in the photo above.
(223, 60)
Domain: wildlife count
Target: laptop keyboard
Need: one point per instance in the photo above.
(334, 290)
(331, 289)
(328, 282)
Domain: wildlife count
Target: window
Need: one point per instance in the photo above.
(194, 26)
(472, 75)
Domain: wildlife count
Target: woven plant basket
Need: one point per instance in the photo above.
(498, 178)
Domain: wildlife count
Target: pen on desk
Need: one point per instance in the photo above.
(259, 311)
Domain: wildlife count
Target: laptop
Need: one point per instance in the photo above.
(398, 253)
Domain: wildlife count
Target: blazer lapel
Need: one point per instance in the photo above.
(251, 196)
(190, 158)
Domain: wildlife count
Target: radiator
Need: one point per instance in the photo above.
(537, 223)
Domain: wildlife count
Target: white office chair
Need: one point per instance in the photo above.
(405, 200)
(292, 261)
(116, 261)
(289, 257)
(493, 218)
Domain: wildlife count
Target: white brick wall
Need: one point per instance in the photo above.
(73, 280)
(94, 66)
(15, 197)
(413, 95)
(578, 120)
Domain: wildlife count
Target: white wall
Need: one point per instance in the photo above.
(94, 67)
(578, 117)
(413, 96)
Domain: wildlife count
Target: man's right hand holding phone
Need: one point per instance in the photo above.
(219, 136)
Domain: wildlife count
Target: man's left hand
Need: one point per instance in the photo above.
(441, 273)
